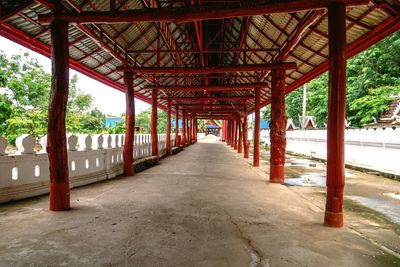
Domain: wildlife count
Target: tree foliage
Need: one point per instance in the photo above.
(373, 78)
(24, 104)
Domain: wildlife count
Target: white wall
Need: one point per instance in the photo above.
(376, 149)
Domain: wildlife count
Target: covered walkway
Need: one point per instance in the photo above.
(205, 206)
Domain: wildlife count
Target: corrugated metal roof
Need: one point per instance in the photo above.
(262, 32)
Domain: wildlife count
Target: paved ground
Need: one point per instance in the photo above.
(205, 206)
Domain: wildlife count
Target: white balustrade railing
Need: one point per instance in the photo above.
(91, 158)
(376, 149)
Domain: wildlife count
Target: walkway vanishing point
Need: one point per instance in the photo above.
(202, 207)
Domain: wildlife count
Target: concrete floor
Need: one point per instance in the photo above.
(205, 206)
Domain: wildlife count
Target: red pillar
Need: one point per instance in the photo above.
(190, 126)
(195, 130)
(256, 154)
(168, 134)
(240, 138)
(236, 134)
(56, 134)
(228, 125)
(130, 124)
(278, 127)
(187, 129)
(233, 133)
(223, 131)
(245, 132)
(176, 125)
(154, 137)
(335, 178)
(183, 128)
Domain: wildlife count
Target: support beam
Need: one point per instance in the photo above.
(188, 106)
(234, 133)
(206, 51)
(189, 132)
(210, 98)
(224, 125)
(277, 128)
(168, 135)
(183, 128)
(210, 69)
(256, 150)
(154, 137)
(56, 133)
(130, 124)
(240, 137)
(223, 87)
(195, 13)
(245, 132)
(228, 132)
(335, 176)
(177, 126)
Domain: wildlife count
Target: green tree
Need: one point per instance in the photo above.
(24, 107)
(370, 106)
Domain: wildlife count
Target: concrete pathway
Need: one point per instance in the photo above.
(205, 206)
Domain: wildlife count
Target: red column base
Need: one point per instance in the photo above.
(333, 219)
(128, 171)
(59, 196)
(246, 156)
(277, 174)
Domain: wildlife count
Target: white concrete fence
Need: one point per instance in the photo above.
(373, 149)
(25, 173)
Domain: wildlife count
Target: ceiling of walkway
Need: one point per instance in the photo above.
(97, 49)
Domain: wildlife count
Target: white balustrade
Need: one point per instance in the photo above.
(99, 157)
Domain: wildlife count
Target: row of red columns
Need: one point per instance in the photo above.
(234, 132)
(236, 128)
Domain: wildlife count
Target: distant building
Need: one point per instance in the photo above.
(212, 128)
(290, 125)
(388, 119)
(310, 122)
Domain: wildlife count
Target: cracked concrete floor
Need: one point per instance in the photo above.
(202, 207)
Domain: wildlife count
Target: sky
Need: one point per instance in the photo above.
(107, 99)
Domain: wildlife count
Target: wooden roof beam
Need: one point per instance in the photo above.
(210, 69)
(209, 98)
(191, 14)
(225, 87)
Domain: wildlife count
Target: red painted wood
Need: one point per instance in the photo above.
(130, 124)
(184, 128)
(168, 135)
(277, 128)
(228, 133)
(224, 131)
(154, 138)
(177, 125)
(240, 134)
(56, 133)
(198, 99)
(193, 14)
(246, 146)
(189, 132)
(195, 88)
(256, 153)
(335, 176)
(209, 51)
(210, 69)
(235, 134)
